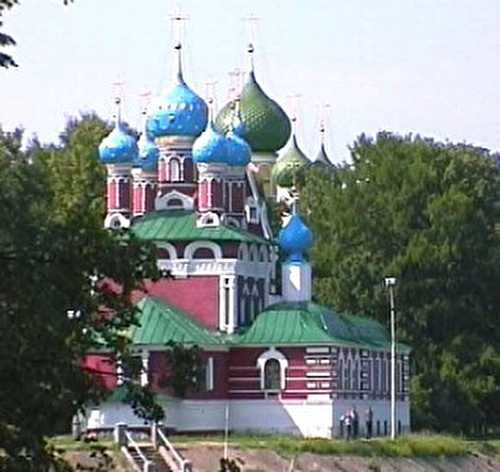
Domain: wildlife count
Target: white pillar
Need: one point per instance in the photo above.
(296, 281)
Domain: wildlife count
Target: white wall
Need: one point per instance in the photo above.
(318, 417)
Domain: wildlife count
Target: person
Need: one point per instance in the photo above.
(355, 422)
(348, 425)
(369, 422)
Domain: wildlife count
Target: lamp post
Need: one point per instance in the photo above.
(390, 283)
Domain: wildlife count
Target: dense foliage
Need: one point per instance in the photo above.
(53, 305)
(424, 212)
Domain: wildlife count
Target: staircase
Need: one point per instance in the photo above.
(157, 454)
(148, 451)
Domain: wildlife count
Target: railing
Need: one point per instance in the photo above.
(180, 464)
(147, 466)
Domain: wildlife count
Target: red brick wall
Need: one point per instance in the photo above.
(102, 367)
(197, 296)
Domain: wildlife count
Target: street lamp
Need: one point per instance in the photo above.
(390, 283)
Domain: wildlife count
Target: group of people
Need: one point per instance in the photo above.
(350, 423)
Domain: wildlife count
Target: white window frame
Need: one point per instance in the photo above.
(272, 353)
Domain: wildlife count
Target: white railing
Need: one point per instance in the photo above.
(146, 465)
(181, 464)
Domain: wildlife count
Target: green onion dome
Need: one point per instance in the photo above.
(267, 127)
(322, 160)
(290, 165)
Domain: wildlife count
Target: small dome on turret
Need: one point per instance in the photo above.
(147, 157)
(295, 239)
(238, 151)
(289, 165)
(322, 160)
(179, 112)
(210, 147)
(118, 147)
(267, 125)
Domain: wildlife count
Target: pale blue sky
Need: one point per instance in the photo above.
(427, 66)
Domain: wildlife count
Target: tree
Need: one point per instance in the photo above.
(424, 212)
(54, 303)
(6, 40)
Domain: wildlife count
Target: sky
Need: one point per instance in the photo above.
(423, 66)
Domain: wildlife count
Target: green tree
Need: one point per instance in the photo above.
(55, 303)
(424, 212)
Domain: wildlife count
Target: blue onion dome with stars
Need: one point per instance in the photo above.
(239, 152)
(179, 112)
(118, 147)
(147, 157)
(295, 239)
(210, 147)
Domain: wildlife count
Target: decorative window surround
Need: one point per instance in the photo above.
(209, 219)
(116, 221)
(192, 247)
(161, 203)
(170, 248)
(272, 353)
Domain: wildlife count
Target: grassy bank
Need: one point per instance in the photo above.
(413, 445)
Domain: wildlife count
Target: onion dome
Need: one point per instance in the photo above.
(118, 147)
(295, 239)
(322, 160)
(147, 158)
(267, 125)
(289, 165)
(179, 112)
(210, 147)
(238, 151)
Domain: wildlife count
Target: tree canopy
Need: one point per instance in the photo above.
(424, 212)
(53, 305)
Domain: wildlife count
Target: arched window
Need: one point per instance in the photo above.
(203, 253)
(272, 375)
(272, 365)
(175, 170)
(175, 203)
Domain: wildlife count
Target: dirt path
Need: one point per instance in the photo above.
(205, 458)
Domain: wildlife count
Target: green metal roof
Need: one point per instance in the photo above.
(289, 165)
(160, 323)
(267, 125)
(180, 225)
(307, 323)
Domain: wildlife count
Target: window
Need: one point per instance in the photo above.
(203, 253)
(207, 376)
(175, 170)
(175, 203)
(272, 365)
(272, 375)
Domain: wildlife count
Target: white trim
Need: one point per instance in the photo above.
(192, 247)
(272, 353)
(208, 220)
(116, 221)
(161, 203)
(170, 248)
(209, 374)
(145, 368)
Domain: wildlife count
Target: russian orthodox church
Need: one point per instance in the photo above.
(197, 186)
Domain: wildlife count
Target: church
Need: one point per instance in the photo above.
(198, 185)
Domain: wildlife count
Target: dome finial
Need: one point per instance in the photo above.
(251, 50)
(177, 19)
(179, 76)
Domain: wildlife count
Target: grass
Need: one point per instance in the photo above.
(412, 445)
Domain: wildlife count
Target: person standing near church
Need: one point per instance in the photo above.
(369, 422)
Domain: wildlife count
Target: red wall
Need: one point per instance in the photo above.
(197, 296)
(102, 367)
